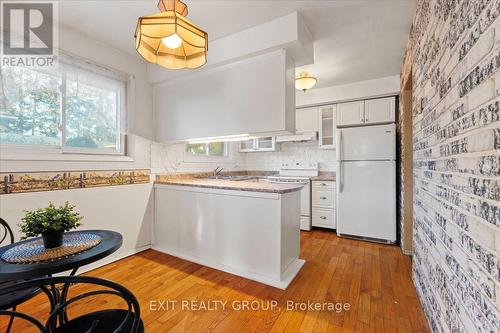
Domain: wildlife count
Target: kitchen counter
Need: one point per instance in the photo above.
(243, 227)
(238, 185)
(325, 176)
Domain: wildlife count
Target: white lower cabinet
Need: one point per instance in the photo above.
(323, 217)
(323, 204)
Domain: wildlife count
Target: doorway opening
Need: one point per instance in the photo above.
(406, 166)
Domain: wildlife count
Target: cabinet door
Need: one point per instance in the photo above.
(327, 127)
(306, 120)
(247, 146)
(350, 113)
(380, 110)
(265, 144)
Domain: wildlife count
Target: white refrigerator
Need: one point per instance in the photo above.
(366, 182)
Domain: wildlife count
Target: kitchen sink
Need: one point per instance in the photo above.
(235, 178)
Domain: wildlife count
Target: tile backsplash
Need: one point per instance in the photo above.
(171, 158)
(292, 151)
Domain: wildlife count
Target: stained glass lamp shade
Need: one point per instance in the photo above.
(169, 39)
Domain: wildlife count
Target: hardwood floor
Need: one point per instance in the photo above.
(375, 280)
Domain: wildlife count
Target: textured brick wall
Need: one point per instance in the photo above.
(454, 53)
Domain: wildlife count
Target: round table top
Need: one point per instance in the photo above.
(110, 242)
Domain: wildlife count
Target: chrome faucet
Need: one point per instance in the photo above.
(217, 171)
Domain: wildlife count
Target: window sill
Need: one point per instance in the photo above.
(47, 154)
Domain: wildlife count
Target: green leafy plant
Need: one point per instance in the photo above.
(50, 219)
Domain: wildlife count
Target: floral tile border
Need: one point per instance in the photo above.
(51, 181)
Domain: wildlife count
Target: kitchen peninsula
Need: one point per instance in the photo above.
(249, 228)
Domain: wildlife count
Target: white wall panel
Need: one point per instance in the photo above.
(126, 209)
(249, 96)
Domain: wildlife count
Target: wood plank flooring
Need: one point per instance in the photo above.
(375, 280)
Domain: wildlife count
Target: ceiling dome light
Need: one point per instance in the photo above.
(305, 81)
(169, 39)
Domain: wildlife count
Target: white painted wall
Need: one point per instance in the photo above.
(358, 90)
(126, 209)
(139, 114)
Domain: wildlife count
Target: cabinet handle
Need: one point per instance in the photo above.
(322, 198)
(323, 217)
(323, 184)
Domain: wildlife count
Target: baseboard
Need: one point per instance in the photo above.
(367, 239)
(290, 273)
(112, 258)
(407, 252)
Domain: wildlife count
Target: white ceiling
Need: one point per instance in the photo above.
(353, 40)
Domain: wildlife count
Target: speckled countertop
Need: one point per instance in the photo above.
(325, 176)
(238, 185)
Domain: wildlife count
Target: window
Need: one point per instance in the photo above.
(78, 107)
(212, 149)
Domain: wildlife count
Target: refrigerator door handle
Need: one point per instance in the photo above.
(340, 145)
(341, 185)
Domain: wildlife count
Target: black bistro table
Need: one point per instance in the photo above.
(11, 272)
(110, 242)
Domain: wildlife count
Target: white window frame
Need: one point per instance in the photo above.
(20, 151)
(227, 158)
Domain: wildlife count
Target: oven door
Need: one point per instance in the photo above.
(305, 200)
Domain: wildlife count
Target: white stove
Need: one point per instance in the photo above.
(299, 172)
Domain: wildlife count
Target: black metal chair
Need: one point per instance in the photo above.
(5, 232)
(104, 321)
(12, 300)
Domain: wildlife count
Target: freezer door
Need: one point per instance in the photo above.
(366, 199)
(367, 143)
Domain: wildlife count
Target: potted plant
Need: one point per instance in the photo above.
(51, 222)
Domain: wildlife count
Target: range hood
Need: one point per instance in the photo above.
(304, 136)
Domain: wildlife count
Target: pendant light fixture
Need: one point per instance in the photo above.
(169, 39)
(305, 81)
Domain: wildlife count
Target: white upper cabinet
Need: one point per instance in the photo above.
(380, 110)
(306, 120)
(351, 113)
(370, 111)
(247, 146)
(267, 143)
(327, 126)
